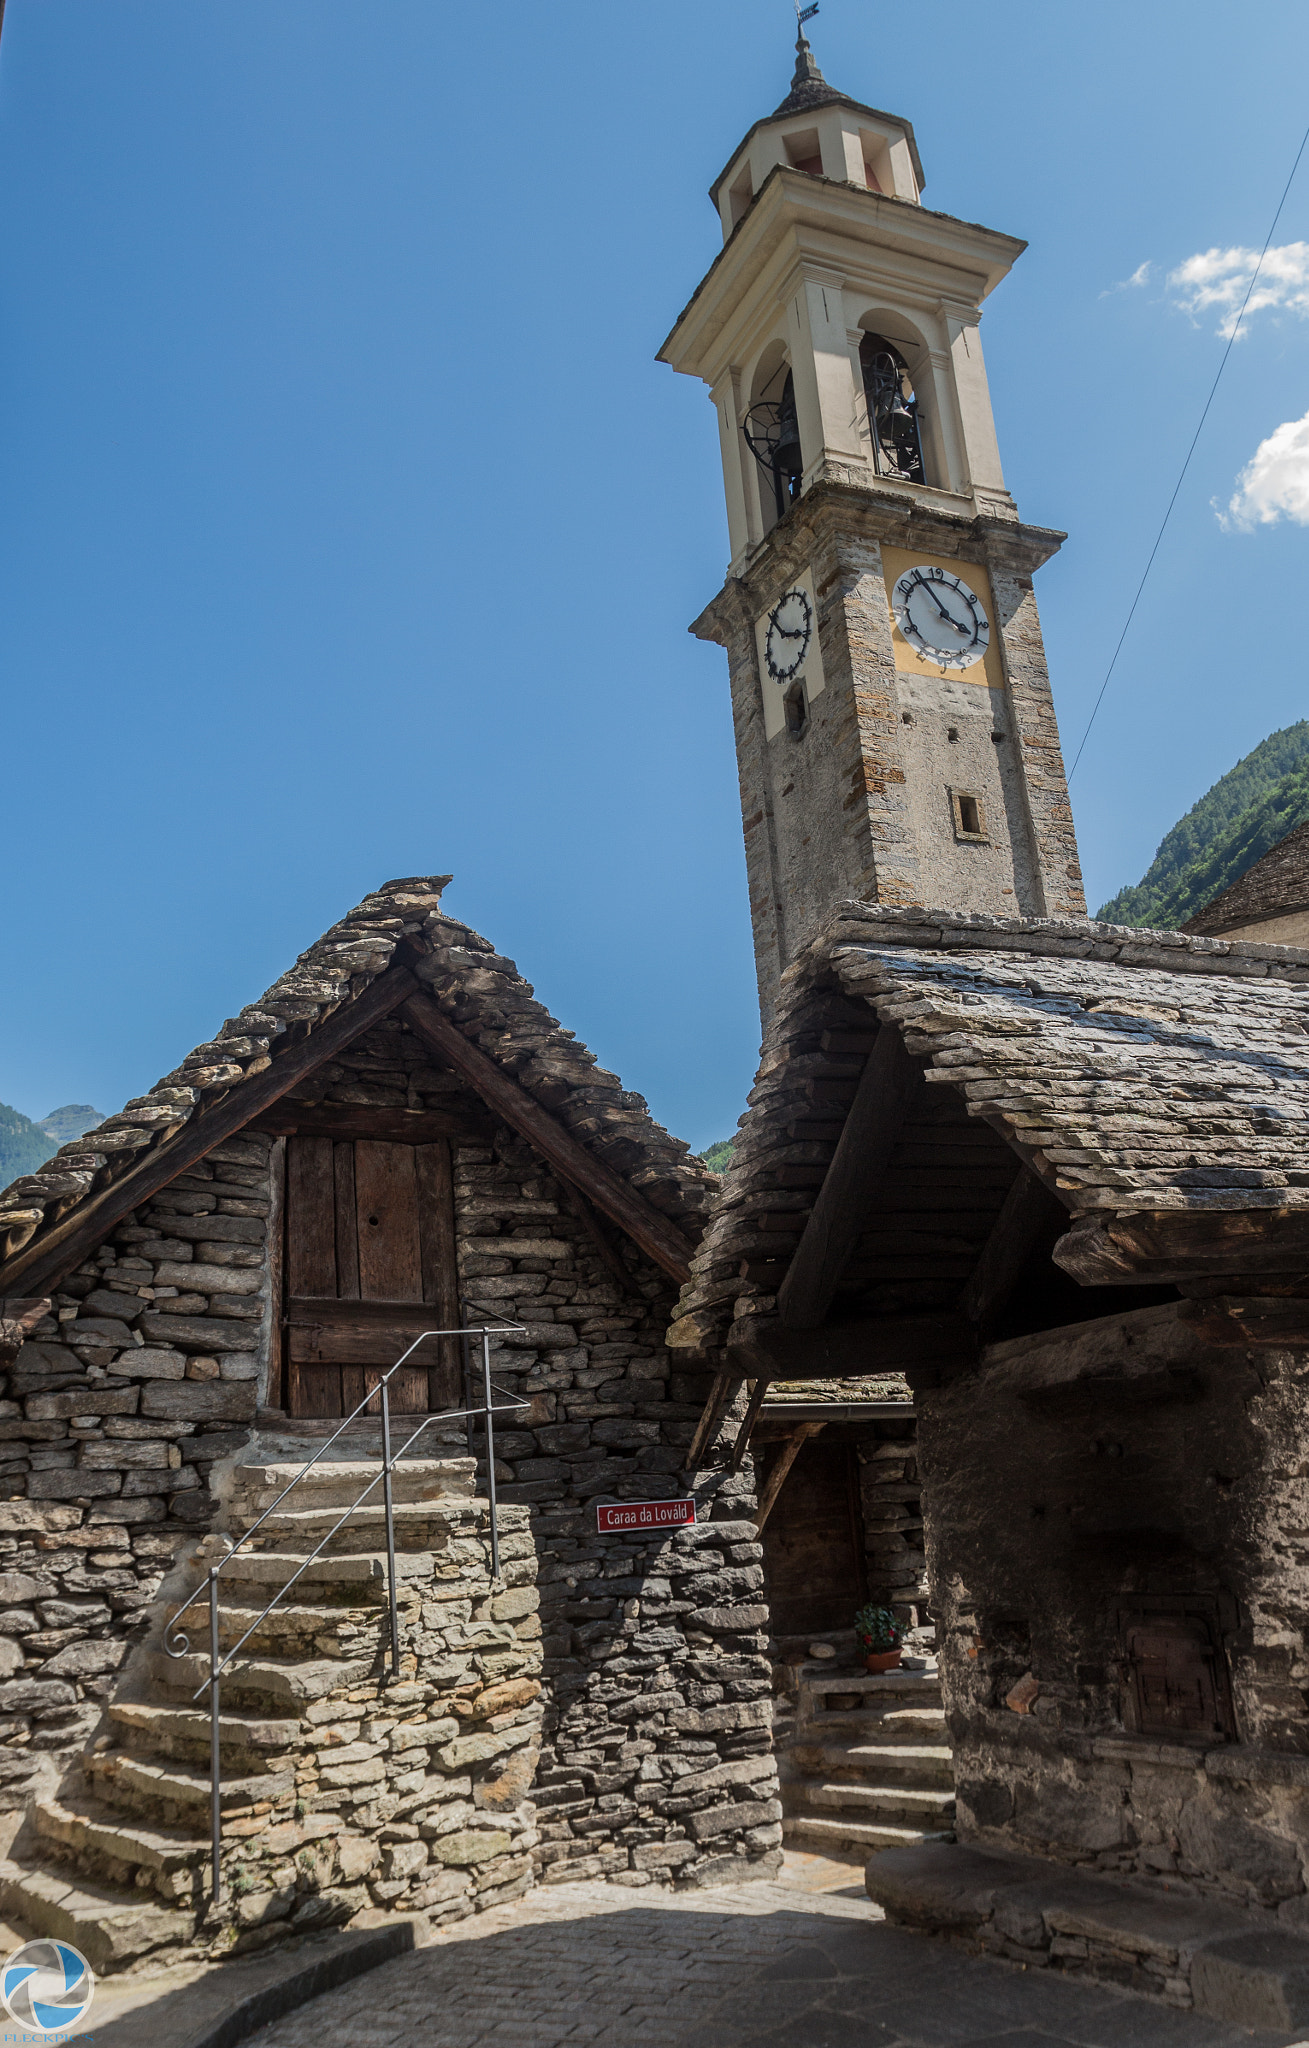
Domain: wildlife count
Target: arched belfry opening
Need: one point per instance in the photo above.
(772, 432)
(892, 410)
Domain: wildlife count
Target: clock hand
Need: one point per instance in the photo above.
(948, 616)
(783, 633)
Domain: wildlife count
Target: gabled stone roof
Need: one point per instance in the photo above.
(1276, 886)
(1134, 1070)
(479, 990)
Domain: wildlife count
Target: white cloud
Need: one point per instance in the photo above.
(1217, 281)
(1140, 276)
(1274, 483)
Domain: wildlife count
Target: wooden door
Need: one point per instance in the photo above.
(813, 1543)
(370, 1263)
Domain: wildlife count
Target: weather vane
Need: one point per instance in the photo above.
(804, 14)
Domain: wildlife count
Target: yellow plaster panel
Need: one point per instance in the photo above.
(990, 669)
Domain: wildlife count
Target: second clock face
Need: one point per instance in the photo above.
(941, 617)
(790, 629)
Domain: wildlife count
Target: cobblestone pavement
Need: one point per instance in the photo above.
(751, 1966)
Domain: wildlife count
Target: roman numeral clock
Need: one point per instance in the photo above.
(895, 729)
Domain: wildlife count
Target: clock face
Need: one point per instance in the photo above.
(941, 617)
(790, 630)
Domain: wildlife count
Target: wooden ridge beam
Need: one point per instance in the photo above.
(1248, 1321)
(760, 1348)
(1155, 1246)
(363, 1120)
(887, 1088)
(658, 1237)
(1028, 1213)
(52, 1253)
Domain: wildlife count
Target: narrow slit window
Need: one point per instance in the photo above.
(969, 814)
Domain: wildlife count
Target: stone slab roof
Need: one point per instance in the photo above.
(478, 989)
(1134, 1070)
(1276, 886)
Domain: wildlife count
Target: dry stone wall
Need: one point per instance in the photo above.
(114, 1414)
(890, 1494)
(132, 1405)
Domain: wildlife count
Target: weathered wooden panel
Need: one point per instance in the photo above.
(310, 1218)
(386, 1203)
(813, 1542)
(434, 1176)
(347, 1222)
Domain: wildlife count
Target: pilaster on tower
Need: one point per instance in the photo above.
(895, 729)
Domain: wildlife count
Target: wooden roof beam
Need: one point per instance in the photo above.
(53, 1253)
(658, 1237)
(759, 1348)
(886, 1093)
(1028, 1214)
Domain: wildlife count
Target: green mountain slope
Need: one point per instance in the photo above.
(22, 1146)
(718, 1156)
(74, 1120)
(1253, 806)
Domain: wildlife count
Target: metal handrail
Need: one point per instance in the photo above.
(178, 1645)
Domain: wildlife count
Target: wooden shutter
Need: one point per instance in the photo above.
(370, 1263)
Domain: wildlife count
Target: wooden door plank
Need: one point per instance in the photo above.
(386, 1203)
(434, 1171)
(311, 1217)
(54, 1252)
(347, 1223)
(657, 1236)
(312, 1389)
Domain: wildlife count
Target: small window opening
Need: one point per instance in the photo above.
(797, 711)
(892, 410)
(804, 152)
(870, 177)
(969, 814)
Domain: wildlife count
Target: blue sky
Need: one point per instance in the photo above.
(349, 529)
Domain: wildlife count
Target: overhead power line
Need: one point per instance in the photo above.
(1181, 476)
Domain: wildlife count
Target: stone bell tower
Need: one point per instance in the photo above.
(894, 724)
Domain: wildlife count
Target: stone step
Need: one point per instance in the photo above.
(361, 1574)
(418, 1525)
(292, 1630)
(875, 1686)
(880, 1724)
(923, 1764)
(111, 1928)
(336, 1482)
(291, 1682)
(857, 1834)
(898, 1803)
(135, 1785)
(85, 1827)
(251, 1744)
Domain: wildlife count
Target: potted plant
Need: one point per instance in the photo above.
(879, 1633)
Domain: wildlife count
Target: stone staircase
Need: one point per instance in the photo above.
(864, 1761)
(118, 1861)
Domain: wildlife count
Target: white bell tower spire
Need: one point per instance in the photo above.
(895, 728)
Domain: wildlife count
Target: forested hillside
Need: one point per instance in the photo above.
(1253, 806)
(23, 1147)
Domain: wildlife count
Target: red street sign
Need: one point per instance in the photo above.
(634, 1517)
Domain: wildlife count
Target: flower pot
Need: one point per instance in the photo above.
(883, 1660)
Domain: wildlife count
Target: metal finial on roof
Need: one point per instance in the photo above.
(808, 87)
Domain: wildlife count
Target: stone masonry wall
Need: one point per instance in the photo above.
(656, 1763)
(113, 1416)
(1082, 1473)
(892, 1510)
